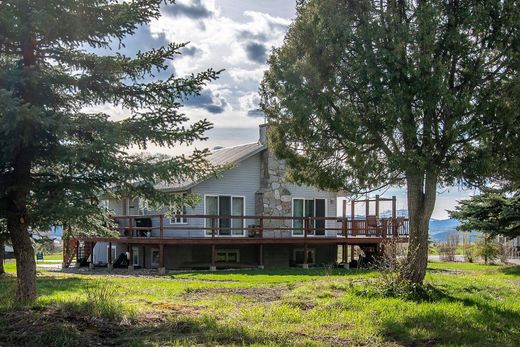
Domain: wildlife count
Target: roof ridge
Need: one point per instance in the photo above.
(235, 146)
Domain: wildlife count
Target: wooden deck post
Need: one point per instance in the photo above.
(130, 257)
(353, 217)
(367, 212)
(260, 256)
(213, 266)
(161, 226)
(305, 249)
(131, 225)
(213, 226)
(305, 256)
(394, 216)
(261, 225)
(144, 257)
(110, 265)
(344, 219)
(351, 252)
(162, 268)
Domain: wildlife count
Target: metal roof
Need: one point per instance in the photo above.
(223, 156)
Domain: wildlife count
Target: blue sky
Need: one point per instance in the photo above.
(235, 35)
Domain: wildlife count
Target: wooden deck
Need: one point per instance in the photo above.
(258, 230)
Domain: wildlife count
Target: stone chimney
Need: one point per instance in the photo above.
(273, 198)
(263, 134)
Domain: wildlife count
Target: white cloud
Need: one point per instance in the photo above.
(249, 101)
(243, 75)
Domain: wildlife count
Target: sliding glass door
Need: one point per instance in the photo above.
(225, 207)
(308, 208)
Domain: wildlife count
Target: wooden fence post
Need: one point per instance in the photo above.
(344, 219)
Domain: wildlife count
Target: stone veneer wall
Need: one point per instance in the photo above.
(273, 198)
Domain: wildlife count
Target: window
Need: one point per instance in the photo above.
(225, 207)
(228, 256)
(308, 208)
(299, 259)
(155, 257)
(180, 220)
(104, 204)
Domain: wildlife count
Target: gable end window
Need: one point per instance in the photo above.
(180, 220)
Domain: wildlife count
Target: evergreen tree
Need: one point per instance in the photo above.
(492, 213)
(56, 156)
(3, 239)
(363, 94)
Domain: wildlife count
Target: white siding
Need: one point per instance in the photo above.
(242, 180)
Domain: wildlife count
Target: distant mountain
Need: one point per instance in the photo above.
(440, 229)
(399, 213)
(443, 223)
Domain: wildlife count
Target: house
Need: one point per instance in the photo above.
(249, 216)
(8, 252)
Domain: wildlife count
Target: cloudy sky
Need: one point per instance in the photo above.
(231, 35)
(237, 36)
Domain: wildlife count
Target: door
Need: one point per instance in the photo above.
(224, 209)
(308, 208)
(320, 212)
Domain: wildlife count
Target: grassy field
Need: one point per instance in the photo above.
(466, 304)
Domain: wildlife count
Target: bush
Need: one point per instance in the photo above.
(448, 249)
(470, 253)
(101, 301)
(391, 265)
(506, 251)
(488, 249)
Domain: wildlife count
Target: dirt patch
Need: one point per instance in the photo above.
(263, 294)
(449, 271)
(159, 309)
(51, 326)
(302, 305)
(515, 282)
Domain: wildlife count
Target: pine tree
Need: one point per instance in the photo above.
(492, 213)
(57, 155)
(3, 238)
(364, 94)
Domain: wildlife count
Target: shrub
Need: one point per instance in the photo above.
(506, 250)
(468, 249)
(448, 249)
(392, 264)
(470, 253)
(101, 301)
(488, 249)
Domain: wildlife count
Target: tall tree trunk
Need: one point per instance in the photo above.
(24, 254)
(421, 192)
(2, 257)
(18, 228)
(17, 213)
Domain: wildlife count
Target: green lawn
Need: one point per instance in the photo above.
(470, 304)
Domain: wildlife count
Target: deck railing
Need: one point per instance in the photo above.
(156, 226)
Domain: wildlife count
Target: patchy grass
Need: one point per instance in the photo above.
(470, 304)
(10, 266)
